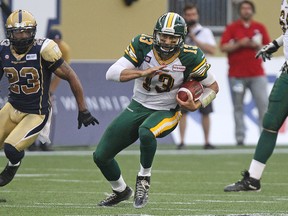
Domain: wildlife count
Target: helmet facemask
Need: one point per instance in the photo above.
(21, 45)
(164, 49)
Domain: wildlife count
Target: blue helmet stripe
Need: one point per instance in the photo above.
(20, 16)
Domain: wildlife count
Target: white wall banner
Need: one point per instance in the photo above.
(107, 99)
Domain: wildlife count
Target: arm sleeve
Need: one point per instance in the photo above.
(209, 79)
(115, 70)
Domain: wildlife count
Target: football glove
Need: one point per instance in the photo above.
(266, 51)
(85, 118)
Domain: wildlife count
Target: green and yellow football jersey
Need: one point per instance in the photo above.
(159, 91)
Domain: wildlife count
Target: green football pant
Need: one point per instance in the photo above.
(273, 119)
(136, 121)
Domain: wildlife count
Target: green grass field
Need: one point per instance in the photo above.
(185, 182)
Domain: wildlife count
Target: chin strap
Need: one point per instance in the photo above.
(207, 97)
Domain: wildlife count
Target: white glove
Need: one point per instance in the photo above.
(266, 51)
(257, 38)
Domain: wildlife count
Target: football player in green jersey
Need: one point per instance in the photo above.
(158, 65)
(28, 63)
(275, 115)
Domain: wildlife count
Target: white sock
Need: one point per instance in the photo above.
(256, 169)
(118, 185)
(144, 171)
(10, 164)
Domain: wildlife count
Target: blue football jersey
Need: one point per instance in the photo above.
(29, 74)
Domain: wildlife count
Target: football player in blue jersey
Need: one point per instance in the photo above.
(158, 65)
(28, 63)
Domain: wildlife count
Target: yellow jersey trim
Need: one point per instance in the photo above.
(198, 66)
(166, 62)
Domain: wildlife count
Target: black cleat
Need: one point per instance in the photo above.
(180, 146)
(208, 146)
(246, 184)
(45, 147)
(8, 174)
(117, 197)
(33, 147)
(141, 191)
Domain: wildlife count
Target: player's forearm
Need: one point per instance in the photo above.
(193, 107)
(119, 74)
(67, 73)
(77, 90)
(115, 71)
(54, 84)
(209, 94)
(130, 74)
(214, 86)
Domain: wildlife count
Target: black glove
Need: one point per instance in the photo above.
(266, 51)
(85, 118)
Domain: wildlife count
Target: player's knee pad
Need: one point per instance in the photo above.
(12, 153)
(271, 122)
(145, 135)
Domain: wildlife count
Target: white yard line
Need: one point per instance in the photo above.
(159, 152)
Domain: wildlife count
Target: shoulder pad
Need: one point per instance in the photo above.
(139, 45)
(39, 41)
(50, 51)
(189, 48)
(146, 39)
(189, 54)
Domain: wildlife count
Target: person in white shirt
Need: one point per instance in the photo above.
(203, 38)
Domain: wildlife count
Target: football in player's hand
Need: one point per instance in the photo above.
(192, 87)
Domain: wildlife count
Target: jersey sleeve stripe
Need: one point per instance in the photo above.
(130, 51)
(166, 124)
(198, 66)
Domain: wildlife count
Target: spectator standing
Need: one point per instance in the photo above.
(241, 40)
(204, 39)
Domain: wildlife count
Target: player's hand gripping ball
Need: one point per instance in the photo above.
(192, 87)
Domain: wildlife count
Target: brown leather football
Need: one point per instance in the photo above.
(192, 87)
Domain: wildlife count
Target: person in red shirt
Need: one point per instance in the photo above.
(241, 40)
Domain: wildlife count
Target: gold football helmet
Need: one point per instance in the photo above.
(21, 21)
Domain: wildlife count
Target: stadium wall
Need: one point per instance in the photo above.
(105, 36)
(101, 29)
